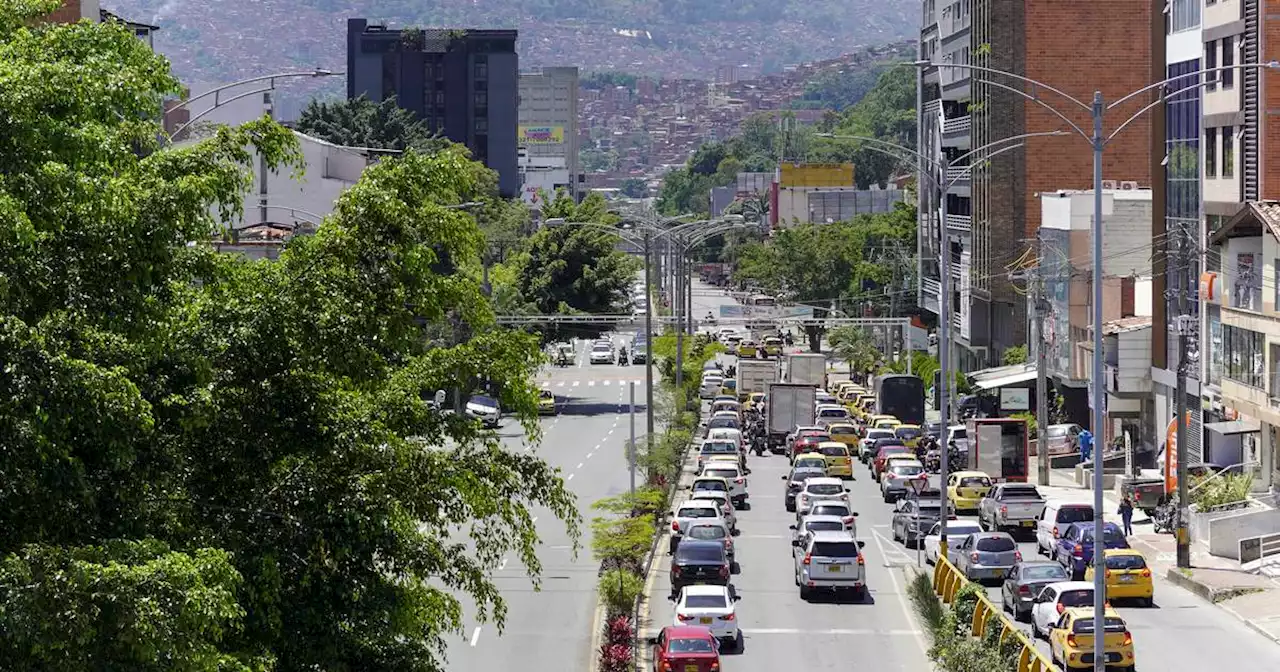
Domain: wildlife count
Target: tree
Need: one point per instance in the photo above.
(887, 112)
(360, 122)
(853, 345)
(635, 187)
(1015, 355)
(211, 463)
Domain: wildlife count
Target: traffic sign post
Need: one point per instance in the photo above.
(918, 486)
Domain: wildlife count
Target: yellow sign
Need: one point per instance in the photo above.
(541, 135)
(815, 175)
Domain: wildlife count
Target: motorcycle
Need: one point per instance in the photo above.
(623, 360)
(1166, 516)
(933, 461)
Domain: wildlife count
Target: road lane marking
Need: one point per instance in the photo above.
(591, 383)
(475, 635)
(502, 565)
(605, 382)
(764, 536)
(560, 384)
(569, 479)
(590, 454)
(610, 431)
(902, 598)
(580, 465)
(575, 383)
(832, 631)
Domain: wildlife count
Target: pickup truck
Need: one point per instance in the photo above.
(1010, 506)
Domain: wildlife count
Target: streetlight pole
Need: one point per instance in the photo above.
(648, 355)
(218, 101)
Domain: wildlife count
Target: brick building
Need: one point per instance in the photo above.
(992, 206)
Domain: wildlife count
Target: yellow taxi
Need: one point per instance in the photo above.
(845, 433)
(754, 400)
(772, 347)
(866, 403)
(731, 459)
(847, 392)
(836, 453)
(967, 488)
(546, 403)
(1127, 576)
(747, 349)
(883, 422)
(910, 434)
(1071, 640)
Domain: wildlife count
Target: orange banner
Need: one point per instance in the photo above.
(1171, 453)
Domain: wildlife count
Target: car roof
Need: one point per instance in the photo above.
(907, 427)
(833, 425)
(1124, 551)
(1040, 563)
(1070, 585)
(836, 444)
(687, 632)
(698, 503)
(819, 407)
(705, 589)
(833, 535)
(710, 496)
(1087, 612)
(993, 535)
(703, 477)
(911, 462)
(721, 464)
(821, 518)
(699, 543)
(799, 471)
(971, 473)
(708, 522)
(826, 480)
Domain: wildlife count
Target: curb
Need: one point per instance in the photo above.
(597, 635)
(1209, 595)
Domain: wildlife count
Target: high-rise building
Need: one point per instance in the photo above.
(992, 208)
(548, 130)
(464, 83)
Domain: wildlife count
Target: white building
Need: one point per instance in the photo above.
(541, 175)
(548, 118)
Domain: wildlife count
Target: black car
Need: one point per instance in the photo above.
(1023, 583)
(697, 561)
(795, 481)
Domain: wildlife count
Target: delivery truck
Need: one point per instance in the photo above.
(807, 368)
(788, 405)
(756, 376)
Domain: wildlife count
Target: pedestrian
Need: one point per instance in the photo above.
(1085, 439)
(1126, 515)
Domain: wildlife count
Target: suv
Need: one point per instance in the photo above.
(829, 561)
(697, 561)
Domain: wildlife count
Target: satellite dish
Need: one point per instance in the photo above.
(440, 396)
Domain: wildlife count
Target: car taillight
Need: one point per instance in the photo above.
(1078, 551)
(1060, 609)
(1017, 556)
(675, 570)
(1106, 573)
(727, 617)
(685, 617)
(1024, 590)
(1146, 573)
(1004, 510)
(728, 542)
(973, 557)
(715, 666)
(675, 526)
(666, 666)
(1055, 531)
(1128, 638)
(739, 480)
(1071, 641)
(724, 571)
(808, 558)
(847, 520)
(861, 560)
(890, 476)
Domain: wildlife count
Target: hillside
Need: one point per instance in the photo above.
(222, 40)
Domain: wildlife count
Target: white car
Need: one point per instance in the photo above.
(712, 607)
(823, 489)
(721, 499)
(601, 354)
(711, 385)
(1044, 613)
(726, 434)
(486, 410)
(830, 412)
(864, 446)
(733, 474)
(956, 530)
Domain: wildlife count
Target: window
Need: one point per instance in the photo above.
(1243, 354)
(1228, 77)
(482, 70)
(1274, 377)
(482, 125)
(482, 99)
(1228, 151)
(1211, 62)
(1210, 152)
(1183, 15)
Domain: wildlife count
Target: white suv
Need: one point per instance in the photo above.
(829, 561)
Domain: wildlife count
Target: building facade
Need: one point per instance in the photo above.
(548, 120)
(464, 83)
(989, 212)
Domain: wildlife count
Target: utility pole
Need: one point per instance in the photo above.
(1042, 366)
(1184, 332)
(648, 331)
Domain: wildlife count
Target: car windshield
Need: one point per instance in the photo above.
(811, 462)
(690, 646)
(814, 438)
(825, 488)
(893, 450)
(602, 348)
(996, 545)
(698, 512)
(1110, 535)
(835, 451)
(841, 429)
(1076, 598)
(1119, 562)
(836, 549)
(1056, 431)
(705, 601)
(708, 532)
(879, 434)
(720, 447)
(708, 553)
(1085, 625)
(1043, 572)
(907, 432)
(824, 526)
(907, 469)
(722, 423)
(975, 482)
(833, 413)
(722, 473)
(489, 402)
(1075, 514)
(710, 485)
(830, 510)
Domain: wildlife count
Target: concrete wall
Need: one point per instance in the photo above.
(1226, 532)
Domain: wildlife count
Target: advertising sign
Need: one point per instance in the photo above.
(1171, 453)
(1015, 399)
(541, 135)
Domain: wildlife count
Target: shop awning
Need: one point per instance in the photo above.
(1231, 427)
(1003, 376)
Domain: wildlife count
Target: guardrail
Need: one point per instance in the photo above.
(1260, 547)
(947, 581)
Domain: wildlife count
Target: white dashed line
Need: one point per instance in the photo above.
(546, 383)
(605, 382)
(591, 383)
(502, 565)
(610, 431)
(575, 383)
(560, 384)
(580, 465)
(590, 454)
(475, 635)
(569, 479)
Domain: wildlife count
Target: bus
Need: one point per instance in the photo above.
(902, 396)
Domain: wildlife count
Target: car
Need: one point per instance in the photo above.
(1054, 599)
(985, 556)
(967, 488)
(772, 347)
(699, 562)
(820, 490)
(812, 461)
(884, 448)
(837, 509)
(639, 352)
(808, 443)
(712, 365)
(747, 350)
(727, 511)
(546, 403)
(898, 475)
(601, 354)
(908, 434)
(839, 464)
(733, 475)
(956, 531)
(933, 429)
(711, 607)
(1011, 506)
(486, 410)
(1024, 581)
(1127, 576)
(713, 529)
(829, 561)
(711, 384)
(1063, 439)
(846, 433)
(718, 431)
(1071, 641)
(822, 397)
(755, 400)
(689, 512)
(703, 483)
(685, 649)
(913, 518)
(716, 447)
(958, 435)
(797, 431)
(730, 404)
(1055, 518)
(883, 422)
(1075, 549)
(831, 413)
(823, 524)
(868, 441)
(795, 482)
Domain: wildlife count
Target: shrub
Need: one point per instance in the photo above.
(622, 542)
(618, 630)
(965, 604)
(619, 588)
(615, 658)
(1208, 492)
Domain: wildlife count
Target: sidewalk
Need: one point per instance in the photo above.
(1253, 599)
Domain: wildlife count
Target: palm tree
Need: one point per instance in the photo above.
(360, 122)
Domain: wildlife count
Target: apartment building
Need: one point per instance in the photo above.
(992, 208)
(548, 125)
(464, 83)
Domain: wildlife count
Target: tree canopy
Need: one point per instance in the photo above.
(217, 464)
(360, 122)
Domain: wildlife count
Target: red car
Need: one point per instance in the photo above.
(685, 648)
(877, 466)
(808, 443)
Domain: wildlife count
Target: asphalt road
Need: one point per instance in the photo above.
(1181, 631)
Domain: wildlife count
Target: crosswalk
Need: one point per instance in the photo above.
(620, 382)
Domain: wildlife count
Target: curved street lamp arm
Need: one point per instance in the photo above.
(703, 236)
(994, 71)
(200, 116)
(997, 143)
(318, 72)
(884, 143)
(1039, 101)
(1164, 96)
(1272, 65)
(606, 228)
(969, 168)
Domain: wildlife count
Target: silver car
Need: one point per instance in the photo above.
(687, 513)
(985, 556)
(821, 524)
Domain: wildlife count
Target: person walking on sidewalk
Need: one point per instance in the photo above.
(1126, 515)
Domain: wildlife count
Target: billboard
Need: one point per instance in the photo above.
(815, 175)
(541, 135)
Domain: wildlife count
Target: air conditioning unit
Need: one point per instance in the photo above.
(1128, 185)
(1108, 184)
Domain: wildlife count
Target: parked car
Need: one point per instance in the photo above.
(486, 410)
(698, 562)
(1075, 549)
(829, 561)
(685, 648)
(1024, 582)
(711, 607)
(1063, 439)
(985, 555)
(1011, 506)
(601, 354)
(1055, 518)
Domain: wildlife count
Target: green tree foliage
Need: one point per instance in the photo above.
(854, 345)
(360, 122)
(607, 80)
(1015, 355)
(887, 113)
(216, 464)
(838, 89)
(634, 187)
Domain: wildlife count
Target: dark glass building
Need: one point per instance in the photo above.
(464, 83)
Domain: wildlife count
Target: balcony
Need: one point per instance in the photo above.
(956, 323)
(955, 271)
(957, 126)
(931, 109)
(959, 175)
(963, 223)
(931, 287)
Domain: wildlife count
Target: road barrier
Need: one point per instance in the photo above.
(947, 581)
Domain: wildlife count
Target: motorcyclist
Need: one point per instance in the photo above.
(622, 356)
